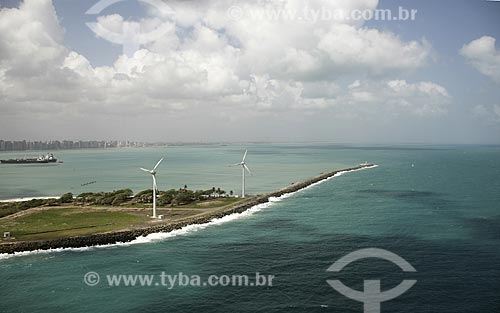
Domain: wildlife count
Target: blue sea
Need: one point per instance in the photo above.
(437, 207)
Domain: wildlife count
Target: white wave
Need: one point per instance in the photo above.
(4, 256)
(196, 227)
(27, 199)
(286, 195)
(185, 230)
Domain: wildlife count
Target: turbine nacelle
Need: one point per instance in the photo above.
(243, 163)
(148, 171)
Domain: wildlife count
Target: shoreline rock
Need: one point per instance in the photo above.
(129, 235)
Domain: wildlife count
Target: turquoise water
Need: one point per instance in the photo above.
(200, 167)
(437, 207)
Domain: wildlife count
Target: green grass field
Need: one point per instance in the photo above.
(45, 223)
(65, 222)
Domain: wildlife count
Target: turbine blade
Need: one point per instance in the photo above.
(154, 168)
(232, 165)
(244, 156)
(145, 170)
(246, 167)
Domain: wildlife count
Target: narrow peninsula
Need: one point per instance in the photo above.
(114, 224)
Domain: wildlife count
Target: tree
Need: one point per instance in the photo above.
(185, 197)
(144, 196)
(120, 196)
(166, 197)
(66, 198)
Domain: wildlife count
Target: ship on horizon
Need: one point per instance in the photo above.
(48, 158)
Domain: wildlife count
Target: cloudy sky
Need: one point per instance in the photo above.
(273, 70)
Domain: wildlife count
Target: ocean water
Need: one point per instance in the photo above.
(199, 167)
(437, 207)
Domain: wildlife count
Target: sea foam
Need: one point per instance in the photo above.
(28, 199)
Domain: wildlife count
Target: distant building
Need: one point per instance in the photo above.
(8, 146)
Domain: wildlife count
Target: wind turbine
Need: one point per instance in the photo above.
(243, 168)
(155, 187)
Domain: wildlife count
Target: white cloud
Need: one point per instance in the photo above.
(113, 22)
(371, 49)
(395, 98)
(272, 42)
(361, 98)
(487, 114)
(207, 62)
(496, 109)
(481, 53)
(30, 38)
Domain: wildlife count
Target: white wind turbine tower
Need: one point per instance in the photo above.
(155, 187)
(243, 168)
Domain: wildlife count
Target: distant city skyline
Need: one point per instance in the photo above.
(38, 145)
(239, 71)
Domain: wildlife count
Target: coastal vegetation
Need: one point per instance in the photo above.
(9, 208)
(113, 198)
(123, 197)
(172, 197)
